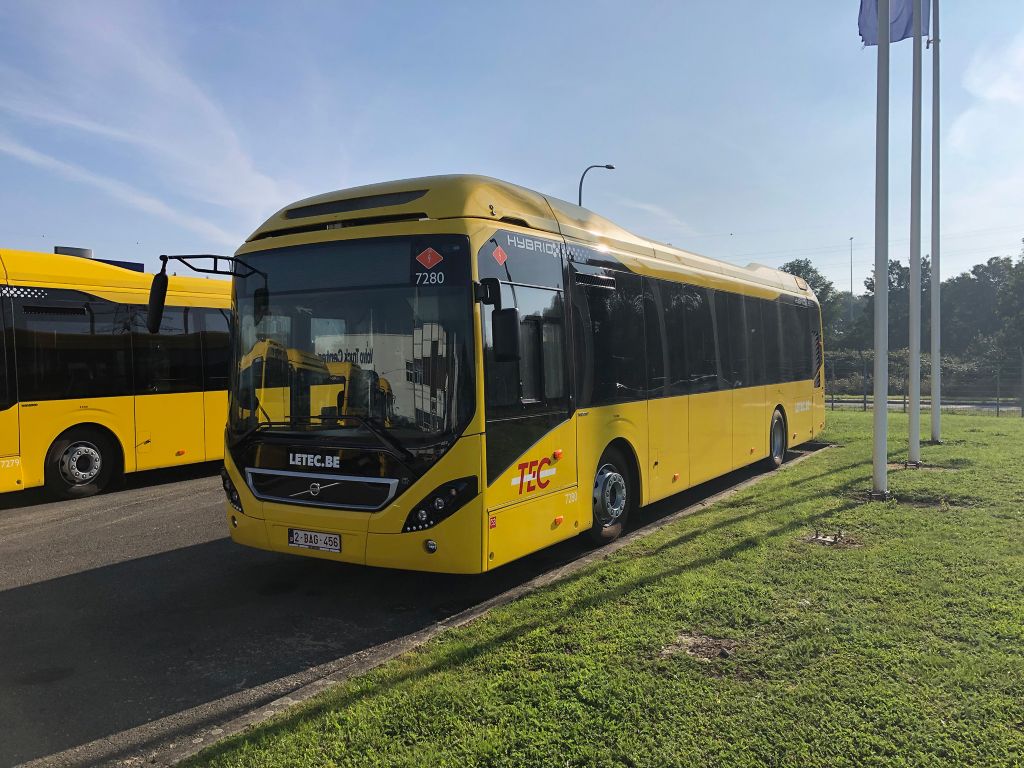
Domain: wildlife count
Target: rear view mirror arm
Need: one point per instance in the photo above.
(236, 267)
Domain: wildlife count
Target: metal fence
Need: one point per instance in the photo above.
(993, 389)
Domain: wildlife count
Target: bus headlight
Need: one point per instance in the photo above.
(440, 503)
(229, 489)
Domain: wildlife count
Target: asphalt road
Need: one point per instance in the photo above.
(130, 619)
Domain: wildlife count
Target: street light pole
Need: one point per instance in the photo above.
(580, 199)
(851, 283)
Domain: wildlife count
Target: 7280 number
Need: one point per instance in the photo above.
(429, 278)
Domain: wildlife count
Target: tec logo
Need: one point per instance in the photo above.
(534, 474)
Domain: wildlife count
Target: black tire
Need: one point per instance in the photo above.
(81, 462)
(615, 495)
(777, 441)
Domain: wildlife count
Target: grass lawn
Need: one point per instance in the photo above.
(727, 638)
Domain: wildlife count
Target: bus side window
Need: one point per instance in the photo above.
(701, 354)
(673, 301)
(772, 342)
(737, 368)
(755, 340)
(814, 318)
(537, 381)
(796, 345)
(614, 340)
(656, 349)
(723, 339)
(171, 360)
(216, 348)
(68, 347)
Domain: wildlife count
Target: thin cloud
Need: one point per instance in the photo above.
(663, 215)
(118, 190)
(987, 168)
(131, 91)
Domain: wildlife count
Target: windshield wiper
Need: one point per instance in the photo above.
(378, 431)
(258, 427)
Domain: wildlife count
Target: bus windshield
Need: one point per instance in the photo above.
(360, 339)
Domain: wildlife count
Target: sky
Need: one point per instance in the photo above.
(741, 130)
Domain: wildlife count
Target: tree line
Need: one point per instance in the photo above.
(982, 309)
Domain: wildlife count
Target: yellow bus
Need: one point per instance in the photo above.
(86, 394)
(559, 374)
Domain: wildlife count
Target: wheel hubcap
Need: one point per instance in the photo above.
(777, 441)
(609, 495)
(80, 463)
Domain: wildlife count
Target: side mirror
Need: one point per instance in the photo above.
(157, 299)
(260, 304)
(505, 334)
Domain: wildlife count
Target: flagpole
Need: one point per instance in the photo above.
(936, 324)
(914, 457)
(880, 479)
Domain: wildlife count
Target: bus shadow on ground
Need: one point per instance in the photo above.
(102, 651)
(31, 497)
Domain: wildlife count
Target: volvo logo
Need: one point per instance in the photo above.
(314, 489)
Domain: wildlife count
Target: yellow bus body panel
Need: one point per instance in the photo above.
(375, 538)
(750, 425)
(43, 421)
(215, 417)
(668, 466)
(161, 441)
(534, 503)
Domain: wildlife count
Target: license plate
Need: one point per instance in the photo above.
(325, 542)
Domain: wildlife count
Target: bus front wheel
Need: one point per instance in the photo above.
(614, 495)
(81, 462)
(776, 441)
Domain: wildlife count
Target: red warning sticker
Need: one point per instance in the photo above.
(500, 256)
(493, 522)
(430, 258)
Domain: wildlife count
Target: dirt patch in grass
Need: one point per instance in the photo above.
(700, 647)
(924, 500)
(838, 539)
(899, 466)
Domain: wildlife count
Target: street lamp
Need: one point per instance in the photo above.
(609, 167)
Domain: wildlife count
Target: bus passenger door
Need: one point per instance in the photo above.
(530, 441)
(746, 373)
(711, 404)
(169, 418)
(668, 408)
(611, 375)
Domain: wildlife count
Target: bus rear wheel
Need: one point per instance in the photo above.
(81, 462)
(776, 441)
(614, 496)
